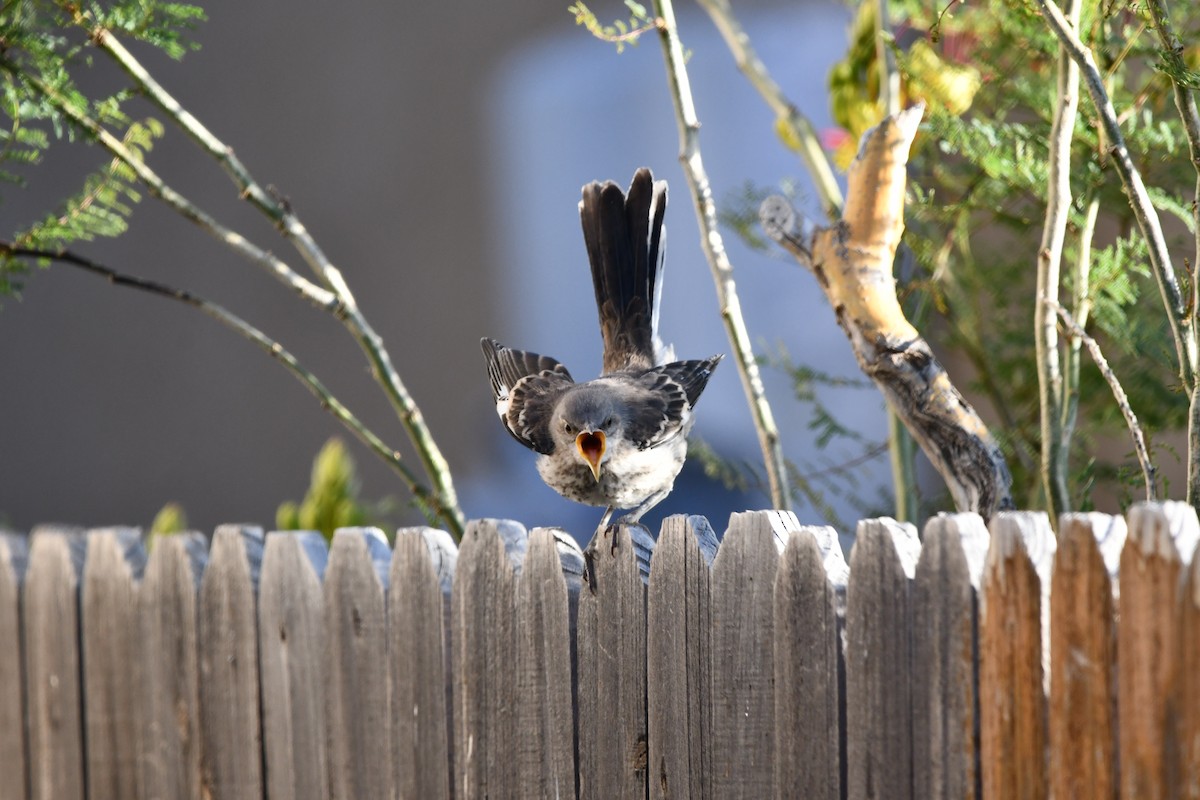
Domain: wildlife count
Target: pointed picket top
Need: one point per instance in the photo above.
(1167, 529)
(378, 550)
(443, 552)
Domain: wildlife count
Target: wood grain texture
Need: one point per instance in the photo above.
(13, 749)
(291, 646)
(356, 668)
(1012, 702)
(51, 605)
(546, 758)
(611, 644)
(169, 739)
(230, 727)
(878, 642)
(111, 694)
(807, 726)
(1082, 725)
(485, 658)
(1151, 567)
(678, 658)
(417, 613)
(743, 673)
(944, 650)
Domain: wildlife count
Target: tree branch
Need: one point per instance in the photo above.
(799, 132)
(1051, 398)
(1135, 430)
(718, 260)
(1139, 200)
(852, 261)
(247, 331)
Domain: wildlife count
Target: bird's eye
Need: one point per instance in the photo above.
(569, 428)
(608, 423)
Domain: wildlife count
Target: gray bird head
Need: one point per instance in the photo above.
(584, 422)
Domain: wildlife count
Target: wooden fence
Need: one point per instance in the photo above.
(981, 662)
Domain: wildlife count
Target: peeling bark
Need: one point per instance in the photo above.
(852, 261)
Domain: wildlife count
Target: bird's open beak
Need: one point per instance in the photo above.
(591, 447)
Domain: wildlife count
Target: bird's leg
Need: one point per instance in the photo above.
(634, 517)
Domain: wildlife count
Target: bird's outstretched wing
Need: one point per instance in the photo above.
(660, 399)
(526, 387)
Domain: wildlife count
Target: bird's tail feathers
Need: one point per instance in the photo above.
(625, 243)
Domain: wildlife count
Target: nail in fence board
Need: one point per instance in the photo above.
(806, 671)
(1151, 566)
(1012, 701)
(1082, 653)
(485, 658)
(878, 701)
(169, 739)
(944, 648)
(416, 631)
(546, 760)
(356, 668)
(52, 671)
(110, 693)
(291, 646)
(678, 655)
(229, 721)
(611, 646)
(743, 673)
(12, 711)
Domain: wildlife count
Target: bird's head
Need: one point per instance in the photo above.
(584, 424)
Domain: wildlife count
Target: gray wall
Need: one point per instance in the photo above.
(436, 152)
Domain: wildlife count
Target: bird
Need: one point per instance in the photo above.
(619, 440)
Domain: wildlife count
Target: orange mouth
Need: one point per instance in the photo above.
(591, 446)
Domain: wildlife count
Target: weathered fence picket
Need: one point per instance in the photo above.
(230, 731)
(1160, 537)
(169, 740)
(878, 640)
(417, 612)
(679, 660)
(806, 646)
(485, 659)
(1082, 655)
(944, 649)
(611, 648)
(108, 624)
(51, 614)
(977, 664)
(1011, 697)
(743, 671)
(291, 646)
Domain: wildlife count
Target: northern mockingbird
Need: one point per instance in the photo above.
(617, 441)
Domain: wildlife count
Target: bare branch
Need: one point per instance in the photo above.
(1055, 446)
(718, 260)
(1149, 472)
(328, 401)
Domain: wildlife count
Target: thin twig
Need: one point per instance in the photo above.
(328, 401)
(1149, 472)
(1055, 447)
(1081, 309)
(342, 302)
(718, 259)
(800, 130)
(1139, 198)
